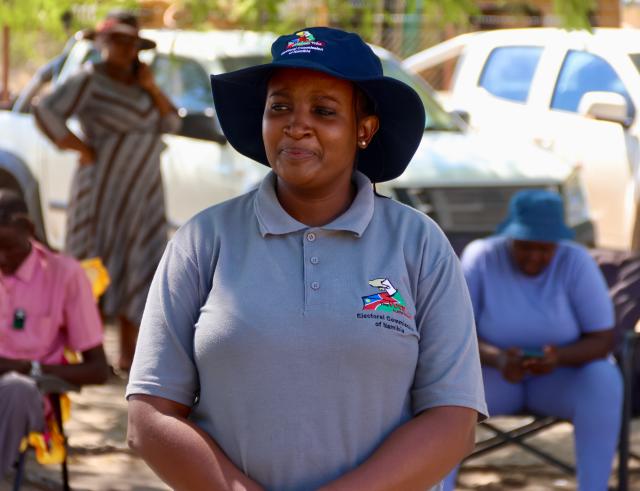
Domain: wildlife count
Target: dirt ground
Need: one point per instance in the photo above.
(99, 459)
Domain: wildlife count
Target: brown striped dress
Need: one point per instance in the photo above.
(116, 209)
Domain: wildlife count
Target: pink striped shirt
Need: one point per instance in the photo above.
(54, 293)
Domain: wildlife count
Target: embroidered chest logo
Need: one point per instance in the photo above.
(305, 42)
(388, 298)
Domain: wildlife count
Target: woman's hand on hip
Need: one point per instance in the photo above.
(87, 155)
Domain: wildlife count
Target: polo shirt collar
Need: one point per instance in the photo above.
(274, 220)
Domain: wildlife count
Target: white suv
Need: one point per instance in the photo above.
(460, 178)
(575, 93)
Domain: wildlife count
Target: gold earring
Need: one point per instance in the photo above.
(363, 143)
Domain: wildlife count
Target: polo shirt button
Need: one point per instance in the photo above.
(315, 285)
(311, 236)
(314, 260)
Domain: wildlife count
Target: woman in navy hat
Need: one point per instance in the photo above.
(310, 334)
(545, 320)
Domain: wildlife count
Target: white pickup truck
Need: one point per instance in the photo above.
(574, 93)
(459, 177)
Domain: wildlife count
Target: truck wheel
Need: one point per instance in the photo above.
(7, 181)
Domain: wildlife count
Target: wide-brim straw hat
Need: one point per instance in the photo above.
(240, 96)
(119, 22)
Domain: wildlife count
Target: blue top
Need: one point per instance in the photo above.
(307, 346)
(569, 298)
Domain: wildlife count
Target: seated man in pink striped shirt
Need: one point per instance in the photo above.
(46, 304)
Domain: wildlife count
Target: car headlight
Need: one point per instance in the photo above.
(575, 201)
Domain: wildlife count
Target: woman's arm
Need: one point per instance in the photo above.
(179, 452)
(147, 82)
(591, 346)
(92, 370)
(417, 455)
(71, 142)
(510, 361)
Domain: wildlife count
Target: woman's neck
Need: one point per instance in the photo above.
(315, 210)
(118, 72)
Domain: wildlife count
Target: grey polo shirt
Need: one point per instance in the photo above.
(302, 348)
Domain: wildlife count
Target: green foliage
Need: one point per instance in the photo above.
(574, 14)
(37, 30)
(450, 11)
(248, 14)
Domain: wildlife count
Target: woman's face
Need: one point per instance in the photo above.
(14, 247)
(120, 49)
(311, 129)
(531, 257)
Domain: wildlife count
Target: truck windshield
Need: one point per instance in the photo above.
(437, 118)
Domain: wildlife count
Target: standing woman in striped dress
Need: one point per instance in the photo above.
(116, 210)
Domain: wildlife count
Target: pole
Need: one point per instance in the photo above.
(4, 96)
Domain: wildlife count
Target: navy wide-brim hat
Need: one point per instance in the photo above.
(240, 96)
(536, 215)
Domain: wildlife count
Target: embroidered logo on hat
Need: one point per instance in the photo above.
(305, 42)
(388, 298)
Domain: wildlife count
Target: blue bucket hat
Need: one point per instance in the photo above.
(240, 96)
(536, 215)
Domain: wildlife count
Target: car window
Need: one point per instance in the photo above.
(509, 71)
(185, 81)
(585, 72)
(437, 119)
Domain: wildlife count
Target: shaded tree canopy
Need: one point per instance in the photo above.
(50, 15)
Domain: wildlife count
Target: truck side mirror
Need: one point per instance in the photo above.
(605, 106)
(202, 126)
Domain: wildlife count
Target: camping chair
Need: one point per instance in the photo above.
(51, 447)
(622, 272)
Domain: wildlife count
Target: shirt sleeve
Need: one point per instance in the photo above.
(448, 371)
(67, 99)
(164, 364)
(81, 316)
(588, 293)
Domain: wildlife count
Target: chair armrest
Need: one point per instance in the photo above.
(50, 384)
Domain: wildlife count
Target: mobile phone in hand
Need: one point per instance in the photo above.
(533, 353)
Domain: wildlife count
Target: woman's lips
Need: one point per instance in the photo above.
(296, 153)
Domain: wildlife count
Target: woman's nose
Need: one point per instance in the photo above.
(298, 125)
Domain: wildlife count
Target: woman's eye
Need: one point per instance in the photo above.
(277, 107)
(324, 111)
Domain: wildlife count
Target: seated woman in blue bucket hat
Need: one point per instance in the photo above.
(544, 320)
(310, 334)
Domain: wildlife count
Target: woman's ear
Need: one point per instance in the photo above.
(367, 128)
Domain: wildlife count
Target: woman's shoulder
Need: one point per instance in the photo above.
(216, 219)
(574, 255)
